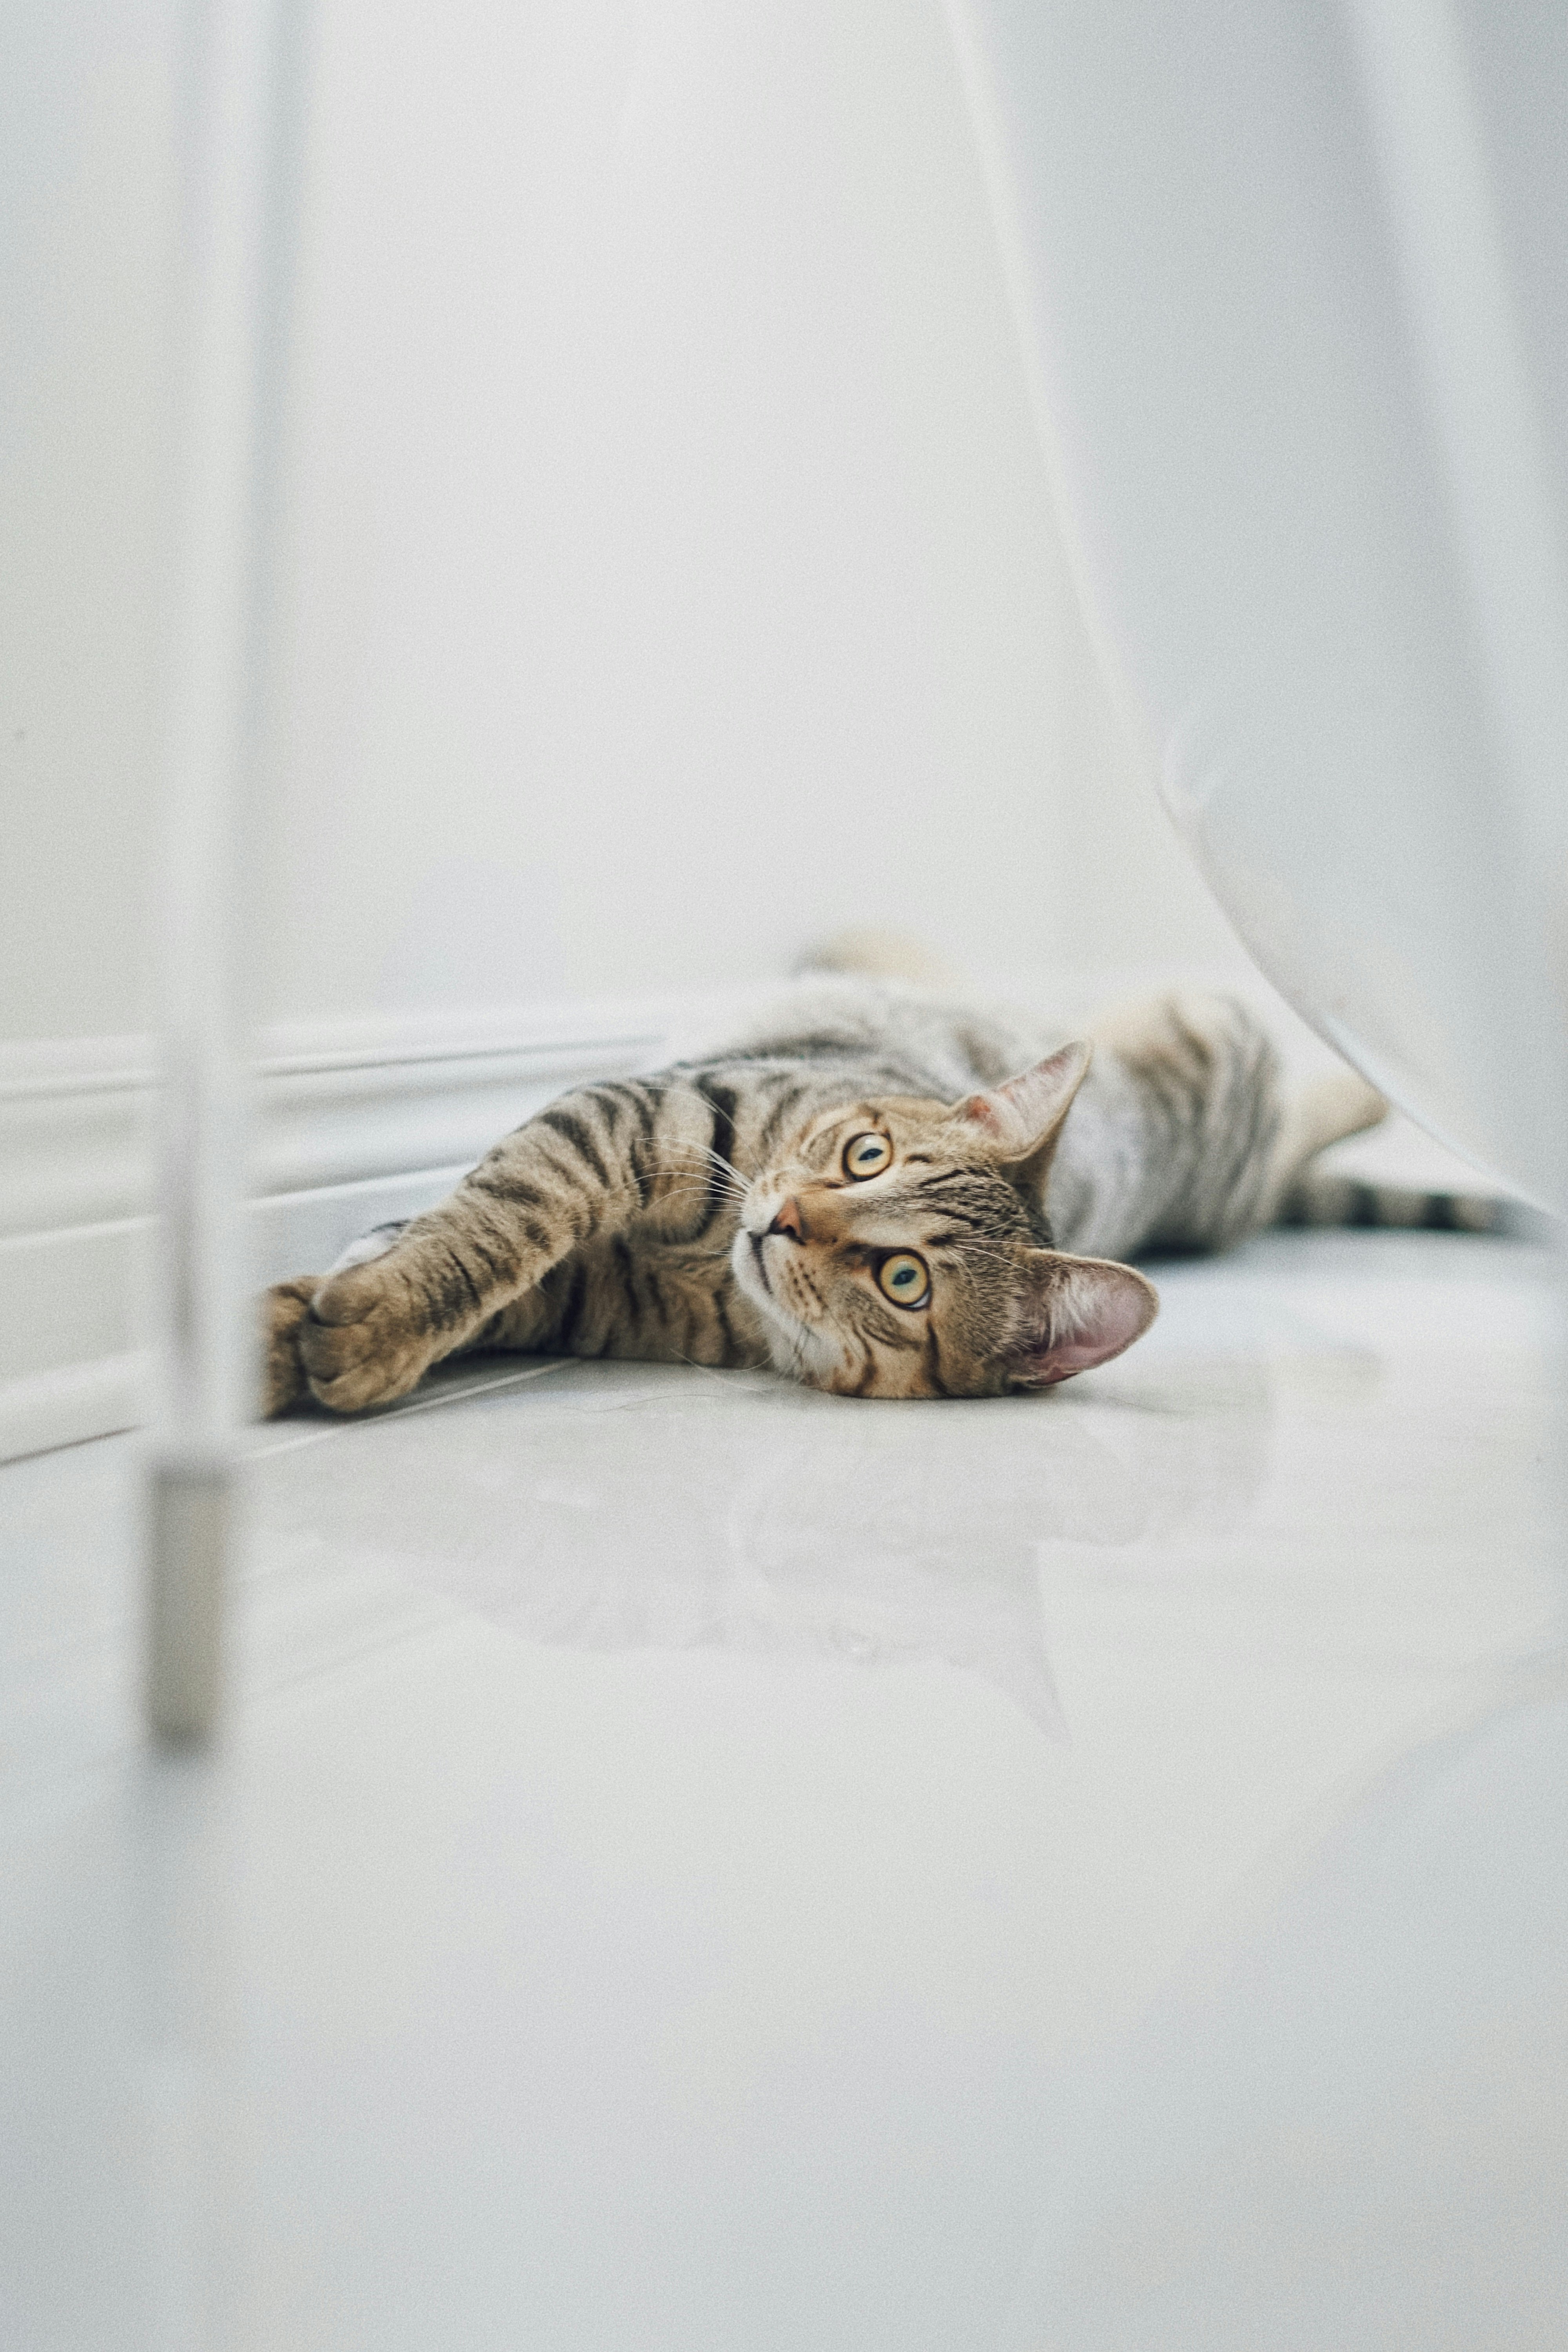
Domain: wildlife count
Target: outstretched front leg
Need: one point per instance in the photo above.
(285, 1309)
(583, 1170)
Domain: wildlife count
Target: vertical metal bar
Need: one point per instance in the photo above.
(233, 149)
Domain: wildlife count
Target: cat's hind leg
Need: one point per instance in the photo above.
(1325, 1110)
(1229, 1137)
(1207, 1078)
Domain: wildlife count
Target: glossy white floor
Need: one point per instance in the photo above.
(698, 1864)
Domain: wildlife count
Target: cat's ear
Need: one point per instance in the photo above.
(1024, 1117)
(1072, 1313)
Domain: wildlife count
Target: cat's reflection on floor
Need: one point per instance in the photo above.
(621, 1506)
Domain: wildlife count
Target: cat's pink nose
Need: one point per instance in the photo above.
(788, 1220)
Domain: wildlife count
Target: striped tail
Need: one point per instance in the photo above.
(1319, 1197)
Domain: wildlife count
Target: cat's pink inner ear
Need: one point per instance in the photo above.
(1018, 1118)
(1075, 1313)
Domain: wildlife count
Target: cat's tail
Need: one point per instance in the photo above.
(1320, 1196)
(879, 955)
(1303, 1192)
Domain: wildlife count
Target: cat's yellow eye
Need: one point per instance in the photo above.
(866, 1155)
(903, 1278)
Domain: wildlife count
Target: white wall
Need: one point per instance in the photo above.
(86, 127)
(669, 568)
(673, 568)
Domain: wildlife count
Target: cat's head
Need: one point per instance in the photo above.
(899, 1249)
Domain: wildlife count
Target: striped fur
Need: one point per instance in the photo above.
(711, 1214)
(1321, 1197)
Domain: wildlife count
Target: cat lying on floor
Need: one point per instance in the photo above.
(884, 1191)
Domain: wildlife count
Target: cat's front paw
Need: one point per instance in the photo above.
(284, 1309)
(364, 1340)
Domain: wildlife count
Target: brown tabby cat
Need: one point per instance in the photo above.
(883, 1193)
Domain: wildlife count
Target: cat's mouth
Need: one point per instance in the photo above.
(748, 1260)
(800, 1347)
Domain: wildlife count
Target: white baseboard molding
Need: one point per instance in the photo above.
(355, 1123)
(95, 1398)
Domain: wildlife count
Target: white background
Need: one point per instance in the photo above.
(668, 569)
